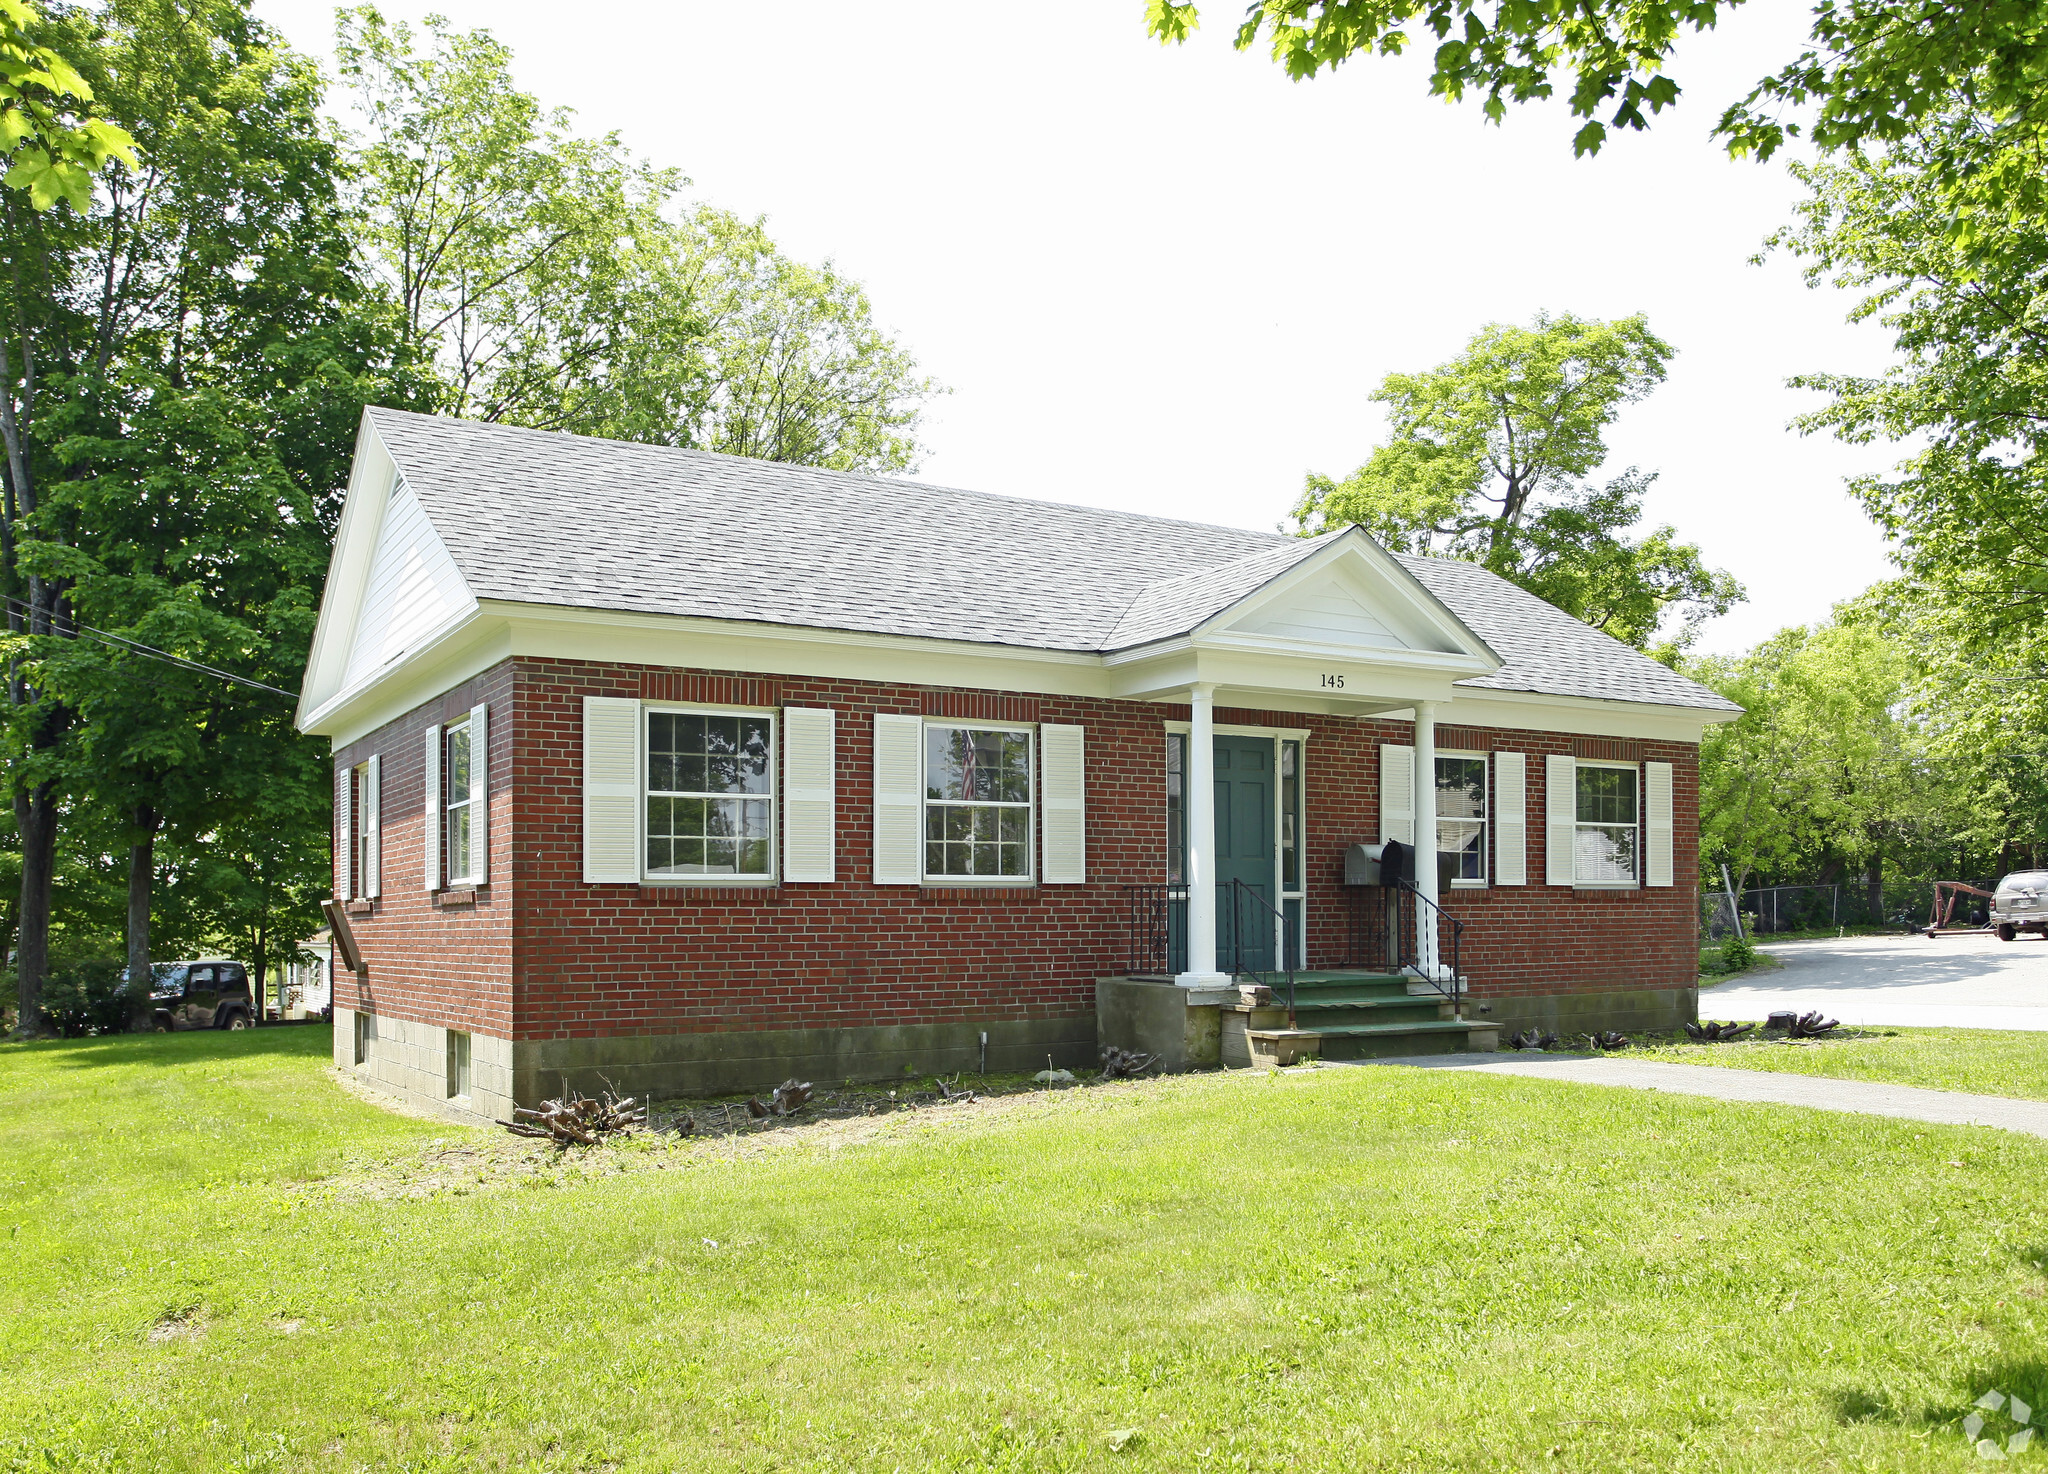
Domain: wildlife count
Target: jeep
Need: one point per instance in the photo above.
(202, 995)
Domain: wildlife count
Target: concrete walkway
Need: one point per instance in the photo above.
(1953, 982)
(1859, 1097)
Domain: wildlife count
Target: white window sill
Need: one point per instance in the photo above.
(1468, 885)
(1607, 885)
(977, 882)
(724, 882)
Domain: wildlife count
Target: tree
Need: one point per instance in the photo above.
(1963, 303)
(555, 281)
(51, 142)
(1874, 69)
(1823, 760)
(1487, 459)
(187, 369)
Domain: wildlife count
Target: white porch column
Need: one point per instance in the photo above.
(1425, 836)
(1201, 840)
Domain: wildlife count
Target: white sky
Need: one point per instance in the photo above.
(1166, 280)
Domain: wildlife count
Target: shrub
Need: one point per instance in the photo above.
(81, 995)
(1737, 953)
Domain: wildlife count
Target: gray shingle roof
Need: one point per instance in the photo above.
(531, 516)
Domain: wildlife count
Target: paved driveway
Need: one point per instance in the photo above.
(1972, 982)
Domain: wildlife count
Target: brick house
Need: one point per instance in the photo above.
(694, 772)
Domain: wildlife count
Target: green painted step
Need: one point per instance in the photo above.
(1352, 999)
(1374, 1031)
(1377, 1041)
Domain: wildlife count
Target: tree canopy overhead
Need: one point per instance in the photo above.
(546, 279)
(1872, 69)
(1486, 460)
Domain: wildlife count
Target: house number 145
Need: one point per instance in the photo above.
(1333, 683)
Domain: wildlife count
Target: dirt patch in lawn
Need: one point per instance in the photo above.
(685, 1133)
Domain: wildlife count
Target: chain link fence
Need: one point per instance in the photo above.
(1770, 910)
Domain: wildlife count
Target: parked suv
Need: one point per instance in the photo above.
(2020, 903)
(202, 995)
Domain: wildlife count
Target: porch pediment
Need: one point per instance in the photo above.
(1342, 591)
(1335, 613)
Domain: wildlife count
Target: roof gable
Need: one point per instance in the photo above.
(392, 585)
(411, 592)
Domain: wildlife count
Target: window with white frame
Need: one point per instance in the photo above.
(1461, 815)
(977, 802)
(710, 795)
(455, 830)
(1605, 844)
(362, 831)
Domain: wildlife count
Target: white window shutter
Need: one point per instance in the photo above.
(899, 846)
(1397, 794)
(430, 828)
(611, 790)
(373, 831)
(1510, 818)
(1560, 819)
(479, 815)
(1063, 782)
(809, 793)
(1657, 823)
(345, 832)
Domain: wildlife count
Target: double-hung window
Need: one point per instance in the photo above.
(1605, 845)
(1461, 815)
(710, 795)
(455, 828)
(977, 802)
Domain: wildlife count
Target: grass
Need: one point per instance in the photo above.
(218, 1259)
(1978, 1061)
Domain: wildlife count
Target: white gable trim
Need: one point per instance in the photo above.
(1394, 598)
(421, 572)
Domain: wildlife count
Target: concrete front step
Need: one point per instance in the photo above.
(1378, 1041)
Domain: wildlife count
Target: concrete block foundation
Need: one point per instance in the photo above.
(1655, 1010)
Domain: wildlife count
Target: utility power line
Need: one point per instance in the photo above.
(136, 647)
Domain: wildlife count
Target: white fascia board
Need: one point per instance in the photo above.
(1357, 545)
(370, 478)
(564, 632)
(1578, 716)
(466, 648)
(1247, 673)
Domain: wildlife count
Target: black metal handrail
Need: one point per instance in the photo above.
(1383, 934)
(1159, 920)
(1240, 893)
(1456, 990)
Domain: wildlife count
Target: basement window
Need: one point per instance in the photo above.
(458, 1065)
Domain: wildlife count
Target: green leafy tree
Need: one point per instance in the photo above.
(1831, 765)
(1872, 70)
(1487, 460)
(184, 364)
(558, 282)
(50, 139)
(1967, 508)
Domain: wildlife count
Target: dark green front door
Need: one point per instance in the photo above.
(1244, 852)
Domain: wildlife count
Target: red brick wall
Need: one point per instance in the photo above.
(627, 959)
(449, 966)
(1529, 939)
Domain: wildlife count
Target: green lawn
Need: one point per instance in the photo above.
(1980, 1061)
(216, 1259)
